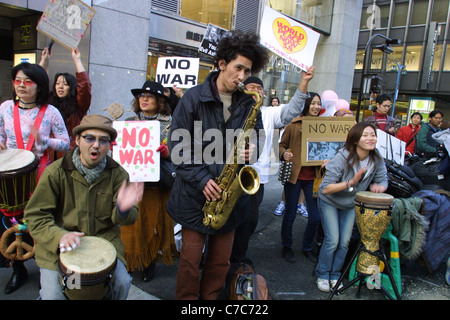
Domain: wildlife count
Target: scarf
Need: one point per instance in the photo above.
(89, 174)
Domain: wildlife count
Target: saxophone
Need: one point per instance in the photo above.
(231, 182)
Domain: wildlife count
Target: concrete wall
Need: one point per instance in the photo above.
(336, 54)
(118, 52)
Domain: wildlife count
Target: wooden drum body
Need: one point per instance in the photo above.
(18, 173)
(86, 272)
(373, 214)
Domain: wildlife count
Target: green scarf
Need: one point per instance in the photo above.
(89, 174)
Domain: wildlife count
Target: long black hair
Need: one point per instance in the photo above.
(68, 104)
(308, 101)
(353, 137)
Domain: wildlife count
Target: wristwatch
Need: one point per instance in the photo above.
(350, 188)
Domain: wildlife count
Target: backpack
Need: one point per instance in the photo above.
(245, 284)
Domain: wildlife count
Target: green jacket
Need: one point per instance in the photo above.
(63, 201)
(424, 142)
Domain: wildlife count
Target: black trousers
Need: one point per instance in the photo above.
(246, 229)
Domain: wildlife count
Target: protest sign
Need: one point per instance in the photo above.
(390, 147)
(181, 71)
(213, 34)
(322, 137)
(135, 150)
(291, 40)
(66, 21)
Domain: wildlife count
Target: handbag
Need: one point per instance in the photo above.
(317, 182)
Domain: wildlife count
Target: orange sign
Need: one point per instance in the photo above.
(291, 39)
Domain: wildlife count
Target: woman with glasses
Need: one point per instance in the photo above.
(152, 236)
(70, 94)
(20, 128)
(380, 118)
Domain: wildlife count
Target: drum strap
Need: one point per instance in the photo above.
(36, 125)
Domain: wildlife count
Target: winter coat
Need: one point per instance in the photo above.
(64, 202)
(199, 110)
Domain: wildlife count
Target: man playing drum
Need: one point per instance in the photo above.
(83, 193)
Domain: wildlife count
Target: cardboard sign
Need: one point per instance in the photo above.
(135, 150)
(181, 71)
(211, 39)
(390, 147)
(322, 137)
(66, 21)
(287, 38)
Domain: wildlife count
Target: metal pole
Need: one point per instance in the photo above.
(399, 69)
(363, 74)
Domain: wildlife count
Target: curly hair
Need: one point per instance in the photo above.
(242, 43)
(163, 105)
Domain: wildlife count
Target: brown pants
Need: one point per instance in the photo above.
(190, 285)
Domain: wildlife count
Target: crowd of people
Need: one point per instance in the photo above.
(83, 191)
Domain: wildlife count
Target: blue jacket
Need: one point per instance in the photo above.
(199, 110)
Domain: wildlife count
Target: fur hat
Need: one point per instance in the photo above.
(96, 121)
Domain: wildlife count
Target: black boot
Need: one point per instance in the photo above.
(19, 276)
(149, 272)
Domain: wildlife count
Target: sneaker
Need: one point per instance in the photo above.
(301, 209)
(280, 208)
(334, 282)
(288, 254)
(323, 285)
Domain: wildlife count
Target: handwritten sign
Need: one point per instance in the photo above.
(287, 38)
(211, 39)
(66, 21)
(322, 137)
(181, 71)
(135, 151)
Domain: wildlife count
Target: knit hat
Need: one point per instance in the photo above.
(96, 121)
(254, 80)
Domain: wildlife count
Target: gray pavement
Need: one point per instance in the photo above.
(286, 281)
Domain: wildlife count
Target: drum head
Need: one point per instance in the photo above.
(374, 199)
(13, 160)
(94, 258)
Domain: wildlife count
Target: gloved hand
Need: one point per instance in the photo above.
(163, 150)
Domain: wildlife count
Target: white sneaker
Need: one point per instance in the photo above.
(301, 209)
(333, 284)
(323, 285)
(280, 208)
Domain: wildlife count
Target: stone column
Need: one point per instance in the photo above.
(118, 52)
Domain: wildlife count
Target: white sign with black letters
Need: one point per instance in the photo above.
(179, 71)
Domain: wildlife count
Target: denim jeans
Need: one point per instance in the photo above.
(337, 226)
(291, 194)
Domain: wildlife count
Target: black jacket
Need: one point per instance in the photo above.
(201, 105)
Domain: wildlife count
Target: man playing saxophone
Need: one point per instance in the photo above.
(216, 104)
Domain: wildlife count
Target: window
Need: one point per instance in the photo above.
(400, 14)
(217, 12)
(375, 17)
(412, 58)
(315, 13)
(419, 14)
(440, 9)
(447, 59)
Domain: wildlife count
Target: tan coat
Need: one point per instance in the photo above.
(292, 139)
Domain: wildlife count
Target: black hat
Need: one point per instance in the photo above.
(152, 87)
(254, 80)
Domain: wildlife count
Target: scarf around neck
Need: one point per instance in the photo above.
(89, 174)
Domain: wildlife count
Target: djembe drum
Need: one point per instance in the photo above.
(373, 214)
(18, 173)
(86, 272)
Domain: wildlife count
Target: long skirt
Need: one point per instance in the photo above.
(151, 237)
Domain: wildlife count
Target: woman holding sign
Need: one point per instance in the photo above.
(152, 234)
(356, 167)
(301, 178)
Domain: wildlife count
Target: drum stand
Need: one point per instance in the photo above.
(361, 277)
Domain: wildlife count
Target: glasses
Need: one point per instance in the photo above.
(146, 95)
(26, 82)
(101, 141)
(387, 105)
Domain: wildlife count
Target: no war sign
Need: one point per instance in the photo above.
(179, 71)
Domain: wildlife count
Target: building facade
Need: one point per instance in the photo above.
(418, 69)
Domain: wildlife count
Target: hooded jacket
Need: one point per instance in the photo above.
(199, 111)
